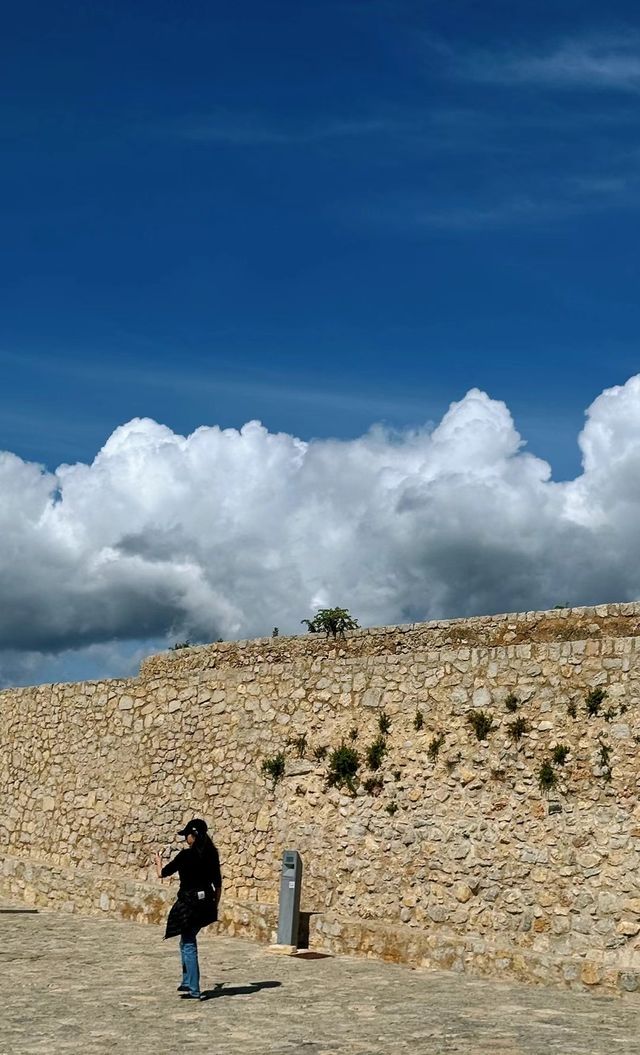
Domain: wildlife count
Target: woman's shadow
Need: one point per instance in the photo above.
(237, 990)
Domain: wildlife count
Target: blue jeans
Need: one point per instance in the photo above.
(190, 965)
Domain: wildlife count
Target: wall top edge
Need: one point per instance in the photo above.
(485, 631)
(554, 625)
(627, 609)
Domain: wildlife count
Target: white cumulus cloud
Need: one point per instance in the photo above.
(227, 533)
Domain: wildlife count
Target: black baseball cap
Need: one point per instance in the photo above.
(195, 827)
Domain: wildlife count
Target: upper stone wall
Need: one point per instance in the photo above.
(561, 624)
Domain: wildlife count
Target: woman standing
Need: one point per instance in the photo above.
(196, 906)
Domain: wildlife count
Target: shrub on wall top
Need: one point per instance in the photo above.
(331, 622)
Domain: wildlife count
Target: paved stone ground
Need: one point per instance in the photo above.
(92, 986)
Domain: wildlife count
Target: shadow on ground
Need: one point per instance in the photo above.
(238, 990)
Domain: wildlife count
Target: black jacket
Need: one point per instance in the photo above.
(196, 905)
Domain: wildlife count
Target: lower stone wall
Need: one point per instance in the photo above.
(40, 885)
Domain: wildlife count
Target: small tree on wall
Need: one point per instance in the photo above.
(331, 621)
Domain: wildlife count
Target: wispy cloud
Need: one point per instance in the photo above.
(555, 201)
(416, 131)
(254, 130)
(265, 388)
(595, 62)
(517, 211)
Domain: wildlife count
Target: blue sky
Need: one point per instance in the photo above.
(322, 217)
(318, 215)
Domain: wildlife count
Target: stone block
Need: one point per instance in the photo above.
(628, 927)
(462, 891)
(591, 973)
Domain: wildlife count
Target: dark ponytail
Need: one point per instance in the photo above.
(204, 846)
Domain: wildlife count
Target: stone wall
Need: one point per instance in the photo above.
(454, 857)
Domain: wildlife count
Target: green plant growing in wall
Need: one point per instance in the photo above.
(320, 752)
(376, 752)
(300, 744)
(344, 763)
(353, 734)
(384, 723)
(275, 632)
(392, 808)
(333, 622)
(517, 729)
(481, 723)
(274, 767)
(609, 714)
(547, 778)
(593, 701)
(418, 721)
(373, 785)
(180, 644)
(604, 757)
(435, 744)
(452, 762)
(560, 754)
(512, 702)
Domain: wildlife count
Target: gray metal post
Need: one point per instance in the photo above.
(290, 886)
